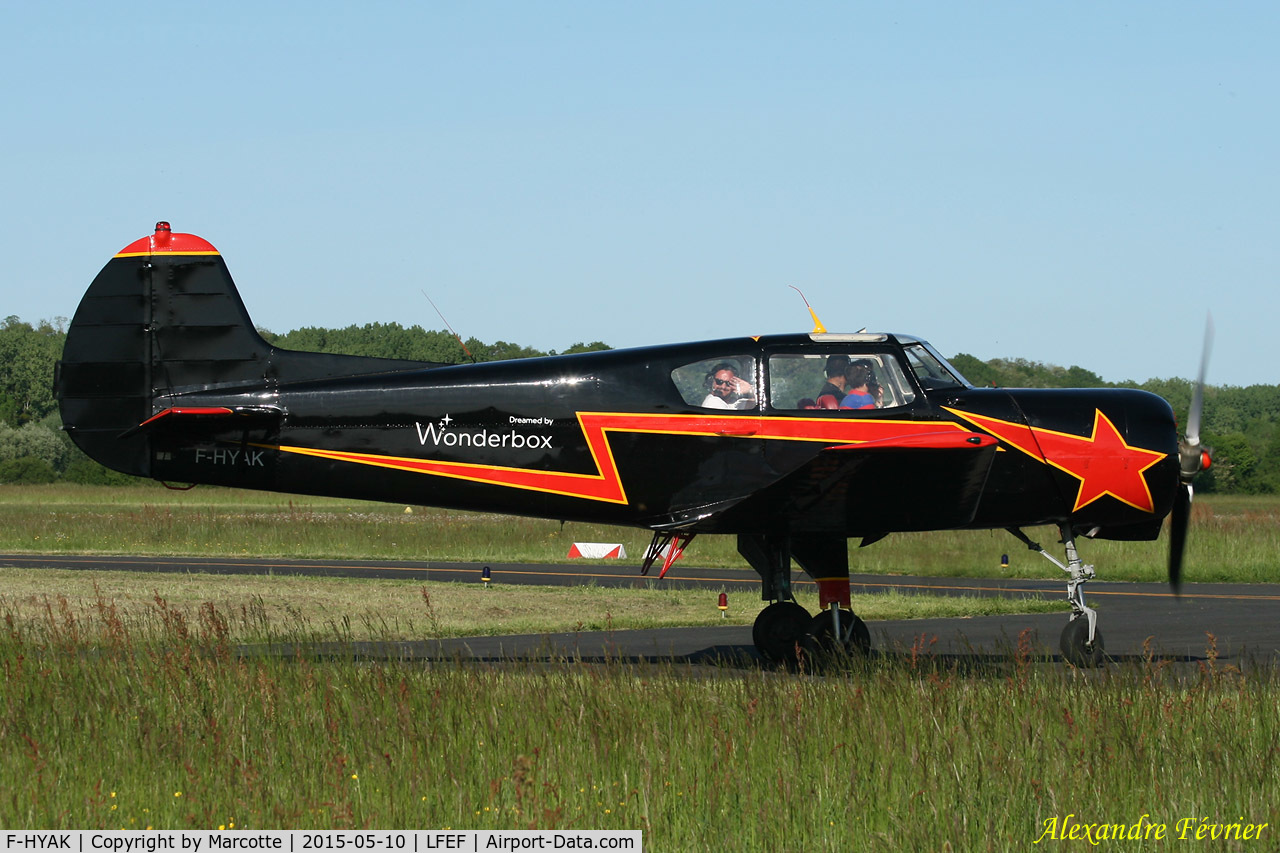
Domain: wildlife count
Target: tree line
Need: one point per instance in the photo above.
(1240, 424)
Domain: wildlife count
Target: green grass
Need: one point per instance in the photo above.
(124, 703)
(260, 608)
(176, 731)
(1232, 538)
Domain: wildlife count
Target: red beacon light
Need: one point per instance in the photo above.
(723, 604)
(163, 236)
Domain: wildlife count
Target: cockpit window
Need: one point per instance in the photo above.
(931, 371)
(820, 381)
(727, 382)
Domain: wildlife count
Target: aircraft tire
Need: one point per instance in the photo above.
(856, 640)
(1075, 647)
(777, 630)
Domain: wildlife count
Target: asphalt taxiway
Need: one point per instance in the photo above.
(1230, 623)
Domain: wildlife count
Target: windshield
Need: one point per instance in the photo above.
(821, 380)
(931, 369)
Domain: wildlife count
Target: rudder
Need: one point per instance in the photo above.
(163, 316)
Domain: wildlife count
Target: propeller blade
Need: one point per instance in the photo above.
(1197, 393)
(1192, 460)
(1178, 520)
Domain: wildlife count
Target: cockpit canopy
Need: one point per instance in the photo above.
(892, 371)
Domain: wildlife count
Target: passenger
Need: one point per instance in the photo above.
(876, 391)
(834, 389)
(858, 378)
(807, 403)
(728, 390)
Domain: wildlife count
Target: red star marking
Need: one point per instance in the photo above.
(1104, 463)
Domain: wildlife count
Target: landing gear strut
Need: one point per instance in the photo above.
(1081, 641)
(835, 630)
(784, 629)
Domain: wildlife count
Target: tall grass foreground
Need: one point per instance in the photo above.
(108, 723)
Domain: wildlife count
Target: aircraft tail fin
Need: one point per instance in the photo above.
(162, 315)
(161, 321)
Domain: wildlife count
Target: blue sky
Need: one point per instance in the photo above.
(1066, 183)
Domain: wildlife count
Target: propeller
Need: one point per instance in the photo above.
(1192, 459)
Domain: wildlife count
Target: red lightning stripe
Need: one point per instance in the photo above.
(1103, 462)
(607, 485)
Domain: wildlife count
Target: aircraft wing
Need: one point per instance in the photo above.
(921, 481)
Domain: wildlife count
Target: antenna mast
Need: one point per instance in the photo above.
(450, 328)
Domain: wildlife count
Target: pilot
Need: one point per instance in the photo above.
(858, 379)
(834, 389)
(728, 390)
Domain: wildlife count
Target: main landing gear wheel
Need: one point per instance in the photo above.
(1076, 648)
(777, 630)
(854, 636)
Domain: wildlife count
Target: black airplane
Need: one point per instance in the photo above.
(793, 443)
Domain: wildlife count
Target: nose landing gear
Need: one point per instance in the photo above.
(1081, 641)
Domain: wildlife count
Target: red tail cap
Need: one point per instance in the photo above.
(167, 241)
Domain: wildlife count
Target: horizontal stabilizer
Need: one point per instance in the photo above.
(221, 416)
